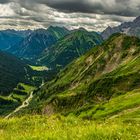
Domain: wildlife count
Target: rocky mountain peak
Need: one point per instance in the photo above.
(137, 20)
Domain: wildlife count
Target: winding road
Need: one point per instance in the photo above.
(24, 104)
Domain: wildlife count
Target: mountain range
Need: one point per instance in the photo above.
(9, 38)
(69, 48)
(57, 83)
(17, 77)
(33, 44)
(129, 28)
(93, 74)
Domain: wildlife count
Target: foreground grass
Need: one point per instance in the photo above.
(60, 128)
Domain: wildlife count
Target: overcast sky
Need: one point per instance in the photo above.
(90, 14)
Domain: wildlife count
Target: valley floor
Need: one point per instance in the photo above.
(67, 128)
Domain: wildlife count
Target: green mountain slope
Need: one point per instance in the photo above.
(17, 80)
(70, 47)
(95, 79)
(12, 71)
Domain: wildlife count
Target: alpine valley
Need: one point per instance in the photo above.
(62, 84)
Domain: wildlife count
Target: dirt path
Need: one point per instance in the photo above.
(24, 104)
(125, 112)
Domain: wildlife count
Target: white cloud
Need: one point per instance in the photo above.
(6, 10)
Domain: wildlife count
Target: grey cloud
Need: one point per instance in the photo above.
(112, 7)
(116, 7)
(91, 14)
(4, 1)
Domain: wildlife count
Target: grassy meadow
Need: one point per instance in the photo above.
(39, 68)
(67, 128)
